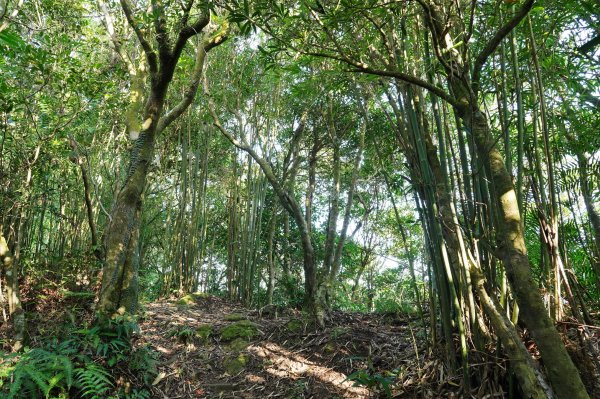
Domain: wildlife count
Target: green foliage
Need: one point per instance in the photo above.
(82, 365)
(234, 364)
(94, 381)
(183, 333)
(240, 329)
(204, 332)
(234, 317)
(382, 382)
(295, 326)
(143, 361)
(38, 373)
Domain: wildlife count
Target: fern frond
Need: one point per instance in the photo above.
(93, 380)
(38, 377)
(16, 385)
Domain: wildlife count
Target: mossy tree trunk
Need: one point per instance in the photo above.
(15, 309)
(121, 252)
(561, 371)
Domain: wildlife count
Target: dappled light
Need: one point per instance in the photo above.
(299, 199)
(286, 364)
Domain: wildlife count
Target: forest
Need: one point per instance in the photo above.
(299, 199)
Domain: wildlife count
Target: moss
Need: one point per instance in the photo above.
(233, 365)
(295, 326)
(338, 332)
(204, 332)
(239, 329)
(235, 317)
(329, 347)
(237, 345)
(186, 300)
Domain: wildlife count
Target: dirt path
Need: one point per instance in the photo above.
(279, 356)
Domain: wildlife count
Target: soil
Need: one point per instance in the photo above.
(287, 358)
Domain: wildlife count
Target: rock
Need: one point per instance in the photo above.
(185, 300)
(238, 344)
(190, 299)
(204, 332)
(240, 329)
(235, 317)
(233, 365)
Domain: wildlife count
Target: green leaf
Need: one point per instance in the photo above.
(11, 39)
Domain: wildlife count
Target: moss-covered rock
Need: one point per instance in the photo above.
(238, 345)
(204, 332)
(240, 329)
(190, 299)
(235, 364)
(235, 317)
(186, 300)
(294, 326)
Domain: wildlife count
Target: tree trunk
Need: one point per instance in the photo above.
(593, 216)
(15, 309)
(271, 257)
(561, 371)
(520, 359)
(119, 275)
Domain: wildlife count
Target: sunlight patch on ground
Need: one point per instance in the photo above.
(286, 364)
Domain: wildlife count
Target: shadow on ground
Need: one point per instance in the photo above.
(210, 348)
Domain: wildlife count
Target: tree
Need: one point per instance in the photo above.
(162, 41)
(326, 33)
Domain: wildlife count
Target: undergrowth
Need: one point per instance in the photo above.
(98, 362)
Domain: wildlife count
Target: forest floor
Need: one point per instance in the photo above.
(280, 356)
(208, 347)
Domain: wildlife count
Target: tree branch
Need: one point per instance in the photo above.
(13, 14)
(190, 93)
(112, 34)
(589, 45)
(243, 145)
(186, 8)
(188, 31)
(150, 54)
(494, 42)
(160, 28)
(363, 68)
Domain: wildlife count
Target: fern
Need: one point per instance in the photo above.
(16, 385)
(93, 381)
(143, 361)
(61, 368)
(40, 371)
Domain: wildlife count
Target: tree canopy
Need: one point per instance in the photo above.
(431, 158)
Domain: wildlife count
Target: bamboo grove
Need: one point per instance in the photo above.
(437, 157)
